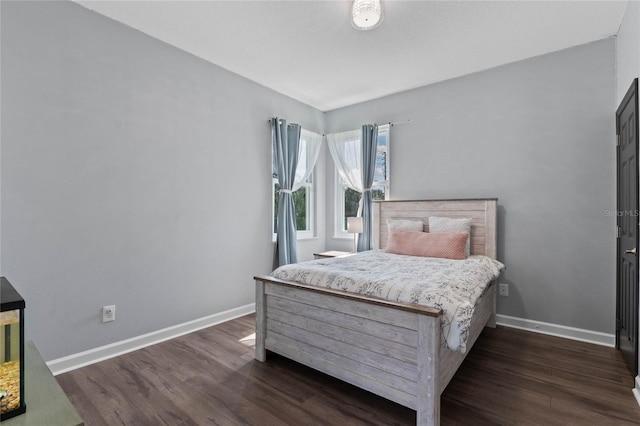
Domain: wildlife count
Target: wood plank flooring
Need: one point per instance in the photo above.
(209, 377)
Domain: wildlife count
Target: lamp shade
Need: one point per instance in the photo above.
(366, 14)
(354, 225)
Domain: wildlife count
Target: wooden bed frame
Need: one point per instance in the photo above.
(392, 349)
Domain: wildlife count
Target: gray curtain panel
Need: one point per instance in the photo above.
(286, 139)
(369, 149)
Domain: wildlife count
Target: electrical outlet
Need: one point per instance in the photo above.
(108, 313)
(503, 289)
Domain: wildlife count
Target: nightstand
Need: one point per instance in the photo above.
(332, 253)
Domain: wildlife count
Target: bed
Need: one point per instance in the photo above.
(393, 349)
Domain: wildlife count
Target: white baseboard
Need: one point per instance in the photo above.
(72, 362)
(596, 337)
(636, 390)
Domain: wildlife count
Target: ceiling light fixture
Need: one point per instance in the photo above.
(366, 14)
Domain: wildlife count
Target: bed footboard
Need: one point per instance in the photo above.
(391, 349)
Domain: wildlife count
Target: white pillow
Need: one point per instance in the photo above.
(448, 224)
(405, 224)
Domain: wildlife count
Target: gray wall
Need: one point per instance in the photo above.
(133, 174)
(628, 50)
(538, 134)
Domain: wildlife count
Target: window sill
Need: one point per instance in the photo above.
(301, 239)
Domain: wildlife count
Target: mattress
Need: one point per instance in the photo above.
(453, 286)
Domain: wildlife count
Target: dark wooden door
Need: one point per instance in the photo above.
(627, 205)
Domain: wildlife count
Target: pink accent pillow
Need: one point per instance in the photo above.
(412, 243)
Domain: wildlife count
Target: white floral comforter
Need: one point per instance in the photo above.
(450, 285)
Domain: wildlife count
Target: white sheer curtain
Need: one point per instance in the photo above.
(309, 150)
(346, 150)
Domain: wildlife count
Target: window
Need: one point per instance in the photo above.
(348, 200)
(303, 197)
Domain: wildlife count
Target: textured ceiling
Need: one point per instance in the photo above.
(309, 51)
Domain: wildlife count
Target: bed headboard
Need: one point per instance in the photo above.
(483, 213)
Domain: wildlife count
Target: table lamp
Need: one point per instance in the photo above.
(354, 226)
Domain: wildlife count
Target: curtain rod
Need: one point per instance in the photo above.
(391, 123)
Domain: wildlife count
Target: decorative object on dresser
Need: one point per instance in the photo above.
(11, 351)
(354, 226)
(393, 349)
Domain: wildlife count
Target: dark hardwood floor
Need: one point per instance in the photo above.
(209, 377)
